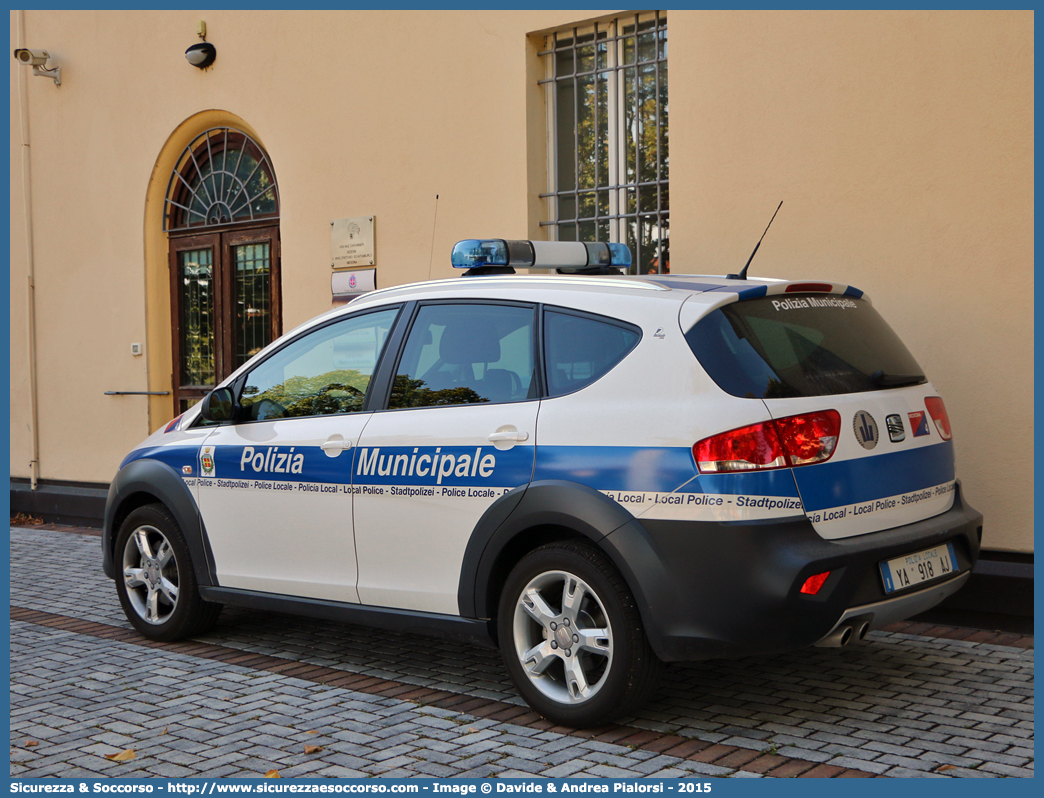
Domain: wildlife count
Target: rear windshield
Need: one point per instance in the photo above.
(801, 345)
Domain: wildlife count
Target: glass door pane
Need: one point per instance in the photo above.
(251, 300)
(196, 287)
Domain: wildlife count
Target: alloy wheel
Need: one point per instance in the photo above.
(563, 637)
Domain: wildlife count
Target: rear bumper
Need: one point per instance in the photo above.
(735, 588)
(857, 621)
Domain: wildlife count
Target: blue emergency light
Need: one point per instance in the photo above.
(498, 256)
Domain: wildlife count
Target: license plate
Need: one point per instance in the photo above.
(919, 567)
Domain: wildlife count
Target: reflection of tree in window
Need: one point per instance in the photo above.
(339, 391)
(197, 303)
(408, 392)
(776, 389)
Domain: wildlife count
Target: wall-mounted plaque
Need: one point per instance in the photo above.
(352, 242)
(345, 286)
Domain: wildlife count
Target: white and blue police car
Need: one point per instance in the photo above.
(595, 473)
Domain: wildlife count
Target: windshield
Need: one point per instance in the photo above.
(801, 345)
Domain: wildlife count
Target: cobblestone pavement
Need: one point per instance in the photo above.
(251, 696)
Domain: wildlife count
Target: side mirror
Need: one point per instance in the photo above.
(218, 405)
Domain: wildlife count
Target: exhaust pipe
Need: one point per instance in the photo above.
(852, 631)
(841, 636)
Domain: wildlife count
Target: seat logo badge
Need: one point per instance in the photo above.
(865, 429)
(919, 423)
(896, 430)
(659, 333)
(206, 461)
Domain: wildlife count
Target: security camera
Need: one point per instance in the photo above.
(37, 59)
(31, 57)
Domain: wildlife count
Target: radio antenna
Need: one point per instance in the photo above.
(743, 273)
(435, 221)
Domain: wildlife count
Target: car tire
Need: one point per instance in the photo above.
(572, 638)
(155, 580)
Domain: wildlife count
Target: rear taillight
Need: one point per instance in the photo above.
(744, 449)
(809, 438)
(937, 410)
(791, 441)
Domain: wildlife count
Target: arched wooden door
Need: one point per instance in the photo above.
(221, 216)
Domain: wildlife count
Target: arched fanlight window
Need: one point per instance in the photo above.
(223, 177)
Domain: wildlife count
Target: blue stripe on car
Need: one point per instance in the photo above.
(778, 482)
(684, 285)
(750, 293)
(653, 469)
(175, 456)
(843, 482)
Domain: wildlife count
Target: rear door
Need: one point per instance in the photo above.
(459, 432)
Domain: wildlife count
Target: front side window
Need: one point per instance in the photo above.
(466, 354)
(323, 373)
(606, 100)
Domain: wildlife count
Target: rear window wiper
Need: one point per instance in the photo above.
(882, 380)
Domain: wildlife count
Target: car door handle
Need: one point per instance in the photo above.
(335, 446)
(515, 436)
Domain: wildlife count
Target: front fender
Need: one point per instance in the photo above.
(152, 482)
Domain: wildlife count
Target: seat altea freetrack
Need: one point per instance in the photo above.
(597, 474)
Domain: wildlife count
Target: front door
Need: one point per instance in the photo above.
(275, 488)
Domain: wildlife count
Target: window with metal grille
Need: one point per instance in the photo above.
(606, 93)
(222, 177)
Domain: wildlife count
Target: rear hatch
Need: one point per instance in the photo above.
(864, 433)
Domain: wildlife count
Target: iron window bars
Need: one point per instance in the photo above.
(606, 95)
(222, 177)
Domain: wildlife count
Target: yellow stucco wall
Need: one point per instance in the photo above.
(900, 142)
(902, 146)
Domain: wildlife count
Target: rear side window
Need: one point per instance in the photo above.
(801, 345)
(466, 354)
(580, 349)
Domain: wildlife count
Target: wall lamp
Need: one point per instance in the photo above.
(37, 59)
(203, 54)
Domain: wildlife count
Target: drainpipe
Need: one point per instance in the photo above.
(23, 110)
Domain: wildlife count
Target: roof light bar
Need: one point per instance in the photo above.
(487, 254)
